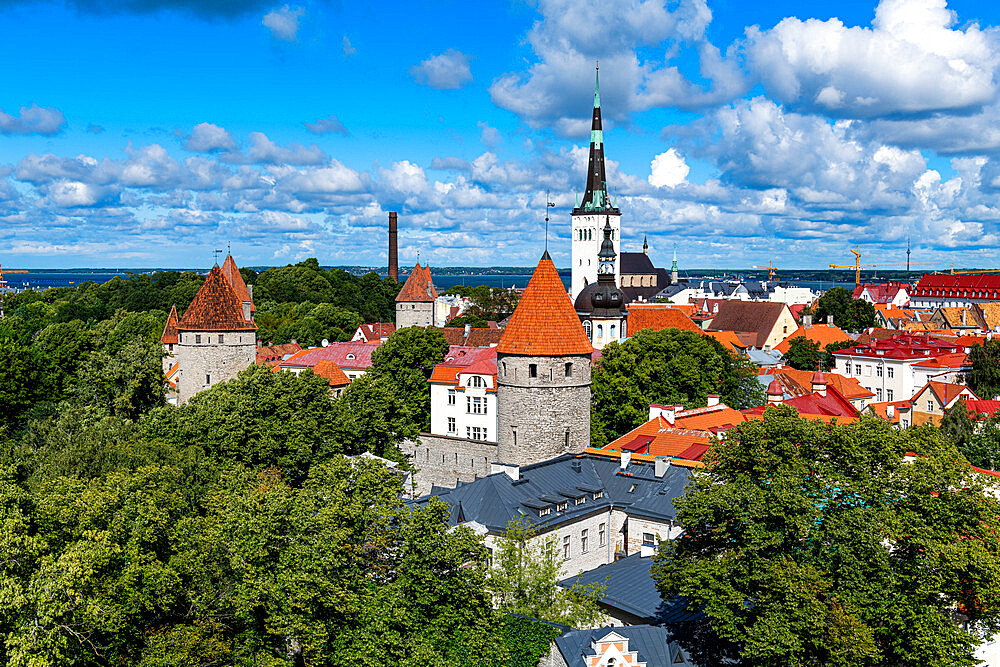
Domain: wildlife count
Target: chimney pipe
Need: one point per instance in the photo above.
(393, 257)
(713, 399)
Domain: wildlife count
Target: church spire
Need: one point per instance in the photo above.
(596, 198)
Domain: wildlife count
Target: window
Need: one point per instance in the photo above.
(784, 329)
(569, 370)
(350, 356)
(489, 557)
(611, 331)
(468, 433)
(451, 397)
(632, 488)
(566, 547)
(532, 370)
(930, 406)
(878, 371)
(878, 394)
(503, 367)
(579, 501)
(544, 511)
(468, 405)
(583, 541)
(197, 339)
(476, 381)
(586, 328)
(857, 369)
(888, 394)
(602, 536)
(208, 379)
(561, 507)
(648, 539)
(221, 339)
(451, 424)
(477, 405)
(567, 440)
(904, 422)
(847, 371)
(600, 331)
(475, 433)
(598, 495)
(513, 431)
(889, 370)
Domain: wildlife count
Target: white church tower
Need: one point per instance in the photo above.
(594, 212)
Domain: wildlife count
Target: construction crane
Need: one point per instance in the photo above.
(857, 265)
(771, 270)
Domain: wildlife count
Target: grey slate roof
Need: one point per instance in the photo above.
(653, 644)
(764, 357)
(496, 499)
(630, 588)
(636, 262)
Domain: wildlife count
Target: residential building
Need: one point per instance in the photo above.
(769, 322)
(963, 289)
(543, 364)
(597, 506)
(330, 371)
(629, 646)
(894, 367)
(657, 316)
(799, 383)
(932, 400)
(823, 403)
(375, 333)
(353, 358)
(415, 301)
(894, 293)
(959, 319)
(464, 394)
(680, 434)
(216, 337)
(599, 305)
(272, 355)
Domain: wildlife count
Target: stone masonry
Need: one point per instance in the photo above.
(414, 314)
(543, 406)
(209, 357)
(444, 461)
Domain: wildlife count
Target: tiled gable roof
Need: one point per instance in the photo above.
(331, 371)
(990, 315)
(216, 307)
(418, 286)
(758, 317)
(232, 273)
(824, 334)
(478, 337)
(271, 355)
(657, 316)
(354, 354)
(169, 336)
(799, 383)
(944, 392)
(544, 322)
(375, 332)
(968, 285)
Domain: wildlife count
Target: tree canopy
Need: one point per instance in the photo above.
(849, 314)
(809, 543)
(984, 378)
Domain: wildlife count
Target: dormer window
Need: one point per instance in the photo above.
(598, 495)
(581, 500)
(544, 511)
(476, 381)
(350, 356)
(561, 507)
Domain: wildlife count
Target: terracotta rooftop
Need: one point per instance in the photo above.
(329, 370)
(658, 438)
(945, 392)
(544, 322)
(983, 407)
(953, 360)
(418, 286)
(479, 360)
(832, 405)
(236, 280)
(968, 285)
(271, 355)
(375, 332)
(657, 316)
(352, 355)
(216, 307)
(824, 334)
(169, 336)
(799, 383)
(758, 317)
(478, 337)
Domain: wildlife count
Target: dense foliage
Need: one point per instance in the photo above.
(849, 314)
(668, 366)
(976, 436)
(487, 303)
(808, 543)
(806, 355)
(984, 378)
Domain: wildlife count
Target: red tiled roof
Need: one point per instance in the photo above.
(824, 334)
(799, 383)
(951, 360)
(169, 336)
(236, 280)
(713, 416)
(882, 293)
(464, 360)
(353, 355)
(331, 371)
(270, 355)
(418, 286)
(478, 337)
(983, 407)
(881, 410)
(544, 322)
(903, 346)
(944, 392)
(658, 438)
(758, 317)
(833, 404)
(375, 332)
(962, 285)
(216, 307)
(657, 316)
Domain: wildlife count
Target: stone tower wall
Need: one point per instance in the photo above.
(414, 314)
(534, 413)
(206, 363)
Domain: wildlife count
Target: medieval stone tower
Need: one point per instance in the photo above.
(543, 374)
(216, 338)
(415, 302)
(595, 211)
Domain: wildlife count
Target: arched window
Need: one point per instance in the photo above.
(587, 329)
(600, 331)
(611, 332)
(475, 381)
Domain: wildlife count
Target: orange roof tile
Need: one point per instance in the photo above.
(169, 336)
(799, 383)
(880, 410)
(944, 392)
(418, 286)
(824, 334)
(215, 307)
(688, 309)
(544, 322)
(330, 371)
(727, 338)
(658, 316)
(952, 360)
(714, 416)
(657, 438)
(232, 273)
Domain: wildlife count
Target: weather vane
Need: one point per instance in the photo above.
(548, 205)
(216, 254)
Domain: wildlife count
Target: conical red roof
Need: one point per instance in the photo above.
(232, 273)
(215, 307)
(418, 286)
(169, 336)
(544, 322)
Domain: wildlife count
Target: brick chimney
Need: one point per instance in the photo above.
(393, 257)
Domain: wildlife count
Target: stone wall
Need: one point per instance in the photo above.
(636, 526)
(414, 314)
(204, 362)
(535, 414)
(445, 461)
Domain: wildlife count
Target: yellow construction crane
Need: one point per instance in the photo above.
(857, 265)
(771, 270)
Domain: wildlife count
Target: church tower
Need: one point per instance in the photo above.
(595, 211)
(603, 321)
(543, 375)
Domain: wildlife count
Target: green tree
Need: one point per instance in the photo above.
(829, 362)
(667, 366)
(471, 317)
(809, 543)
(803, 354)
(848, 313)
(21, 380)
(374, 415)
(984, 378)
(127, 382)
(977, 439)
(407, 360)
(524, 580)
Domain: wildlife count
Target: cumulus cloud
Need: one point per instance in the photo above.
(283, 22)
(489, 135)
(910, 61)
(264, 150)
(448, 70)
(206, 138)
(329, 125)
(668, 169)
(33, 120)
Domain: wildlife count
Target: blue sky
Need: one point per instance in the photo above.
(149, 132)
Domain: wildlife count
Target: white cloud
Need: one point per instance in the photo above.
(448, 70)
(349, 50)
(284, 22)
(33, 120)
(668, 170)
(489, 135)
(910, 61)
(206, 137)
(332, 179)
(329, 125)
(264, 150)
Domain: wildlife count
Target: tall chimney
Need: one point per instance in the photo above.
(393, 258)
